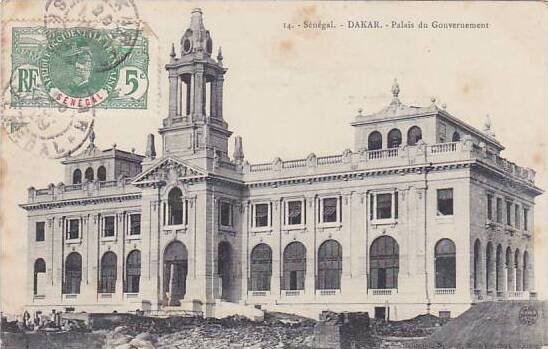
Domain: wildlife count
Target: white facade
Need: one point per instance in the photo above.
(398, 227)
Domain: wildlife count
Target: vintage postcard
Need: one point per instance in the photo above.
(268, 174)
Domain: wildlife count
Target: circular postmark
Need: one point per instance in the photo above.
(45, 131)
(119, 17)
(528, 315)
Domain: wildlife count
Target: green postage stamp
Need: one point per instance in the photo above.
(79, 68)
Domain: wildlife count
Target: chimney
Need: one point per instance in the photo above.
(238, 150)
(150, 152)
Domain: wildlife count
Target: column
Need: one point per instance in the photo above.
(198, 93)
(504, 280)
(219, 98)
(173, 94)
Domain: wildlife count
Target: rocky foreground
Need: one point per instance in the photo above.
(234, 332)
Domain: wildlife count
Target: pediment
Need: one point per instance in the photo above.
(169, 169)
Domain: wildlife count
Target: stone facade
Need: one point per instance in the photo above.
(397, 227)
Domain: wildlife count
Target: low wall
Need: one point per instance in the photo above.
(67, 340)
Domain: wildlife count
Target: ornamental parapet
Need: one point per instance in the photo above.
(63, 191)
(386, 159)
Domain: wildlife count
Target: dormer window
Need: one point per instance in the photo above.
(77, 177)
(89, 174)
(414, 135)
(394, 138)
(374, 142)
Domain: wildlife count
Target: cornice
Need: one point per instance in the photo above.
(80, 201)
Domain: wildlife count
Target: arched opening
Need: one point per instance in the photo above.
(384, 263)
(73, 273)
(261, 267)
(294, 266)
(133, 271)
(107, 283)
(102, 174)
(175, 206)
(509, 269)
(477, 265)
(445, 264)
(77, 177)
(39, 276)
(329, 265)
(455, 137)
(517, 271)
(394, 138)
(374, 141)
(488, 266)
(224, 267)
(499, 269)
(89, 174)
(526, 271)
(414, 135)
(175, 272)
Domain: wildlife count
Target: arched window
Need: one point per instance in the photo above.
(175, 206)
(374, 141)
(77, 177)
(477, 264)
(107, 283)
(261, 267)
(329, 265)
(102, 174)
(39, 275)
(414, 135)
(394, 138)
(224, 267)
(445, 264)
(509, 264)
(133, 271)
(498, 269)
(526, 271)
(456, 137)
(488, 266)
(518, 281)
(89, 174)
(73, 273)
(294, 266)
(175, 271)
(384, 263)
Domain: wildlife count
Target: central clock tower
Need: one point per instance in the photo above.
(195, 130)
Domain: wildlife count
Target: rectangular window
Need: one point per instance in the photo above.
(384, 206)
(73, 231)
(445, 202)
(526, 219)
(508, 213)
(225, 211)
(499, 210)
(40, 231)
(108, 226)
(262, 213)
(489, 207)
(135, 224)
(294, 213)
(329, 210)
(517, 220)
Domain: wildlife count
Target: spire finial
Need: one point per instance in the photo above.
(487, 126)
(172, 54)
(395, 88)
(92, 137)
(220, 55)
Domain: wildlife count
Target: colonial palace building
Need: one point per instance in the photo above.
(423, 215)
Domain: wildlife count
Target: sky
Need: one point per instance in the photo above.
(292, 92)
